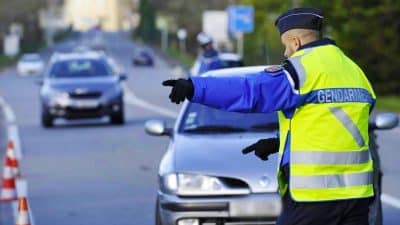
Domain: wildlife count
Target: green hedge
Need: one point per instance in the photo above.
(6, 61)
(388, 103)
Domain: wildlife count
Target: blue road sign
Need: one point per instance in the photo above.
(241, 19)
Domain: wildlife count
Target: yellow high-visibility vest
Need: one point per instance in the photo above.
(329, 155)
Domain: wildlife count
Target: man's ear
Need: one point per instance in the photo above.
(297, 42)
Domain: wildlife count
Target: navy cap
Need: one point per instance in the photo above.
(302, 18)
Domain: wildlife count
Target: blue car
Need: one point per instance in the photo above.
(81, 85)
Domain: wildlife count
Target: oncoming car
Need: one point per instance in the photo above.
(205, 180)
(81, 85)
(143, 58)
(30, 63)
(228, 60)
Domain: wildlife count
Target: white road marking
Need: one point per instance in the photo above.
(12, 128)
(390, 200)
(8, 113)
(132, 99)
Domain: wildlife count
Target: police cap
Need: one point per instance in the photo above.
(303, 18)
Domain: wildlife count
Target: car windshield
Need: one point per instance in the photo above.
(30, 58)
(80, 68)
(231, 63)
(202, 119)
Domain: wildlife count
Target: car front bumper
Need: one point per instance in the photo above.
(29, 70)
(76, 111)
(231, 210)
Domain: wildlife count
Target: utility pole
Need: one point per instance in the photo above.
(50, 15)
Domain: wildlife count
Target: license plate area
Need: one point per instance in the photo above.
(85, 104)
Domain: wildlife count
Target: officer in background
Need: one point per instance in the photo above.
(323, 101)
(208, 60)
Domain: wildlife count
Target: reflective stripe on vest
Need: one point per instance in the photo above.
(332, 181)
(348, 124)
(324, 157)
(301, 74)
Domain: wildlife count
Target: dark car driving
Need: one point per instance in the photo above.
(81, 85)
(143, 58)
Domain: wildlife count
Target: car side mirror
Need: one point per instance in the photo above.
(384, 121)
(123, 77)
(157, 128)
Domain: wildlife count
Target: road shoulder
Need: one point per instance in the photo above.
(6, 211)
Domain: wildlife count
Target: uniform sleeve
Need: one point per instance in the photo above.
(262, 92)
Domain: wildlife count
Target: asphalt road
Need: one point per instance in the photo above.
(90, 172)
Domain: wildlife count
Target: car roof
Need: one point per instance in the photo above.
(77, 55)
(236, 71)
(229, 57)
(30, 56)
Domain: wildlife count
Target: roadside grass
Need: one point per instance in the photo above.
(388, 103)
(184, 58)
(6, 61)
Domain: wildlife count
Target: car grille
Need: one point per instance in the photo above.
(234, 183)
(238, 221)
(72, 113)
(88, 95)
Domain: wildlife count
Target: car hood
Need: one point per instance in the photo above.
(220, 155)
(90, 84)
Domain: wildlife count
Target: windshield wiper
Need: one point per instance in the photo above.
(215, 129)
(265, 126)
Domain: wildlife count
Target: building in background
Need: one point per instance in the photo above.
(215, 24)
(109, 15)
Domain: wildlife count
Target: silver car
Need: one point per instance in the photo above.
(203, 177)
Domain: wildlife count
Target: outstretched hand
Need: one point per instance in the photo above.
(181, 89)
(263, 148)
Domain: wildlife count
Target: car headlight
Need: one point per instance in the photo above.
(59, 98)
(198, 185)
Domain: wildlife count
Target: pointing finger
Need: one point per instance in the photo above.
(248, 149)
(169, 83)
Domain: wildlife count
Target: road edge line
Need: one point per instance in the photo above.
(12, 128)
(133, 99)
(390, 200)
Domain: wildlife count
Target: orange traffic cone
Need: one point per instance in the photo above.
(23, 212)
(8, 191)
(11, 159)
(10, 171)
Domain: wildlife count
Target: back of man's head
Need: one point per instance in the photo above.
(305, 35)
